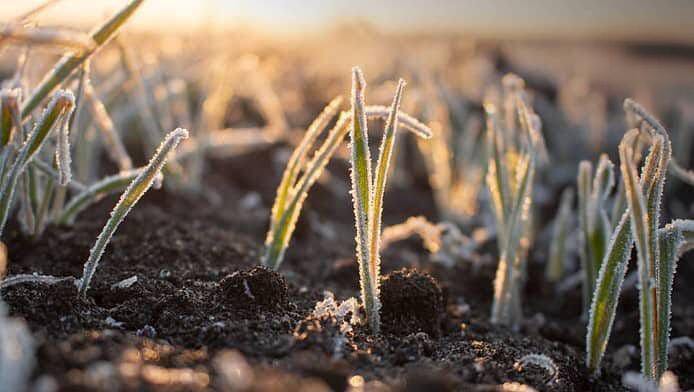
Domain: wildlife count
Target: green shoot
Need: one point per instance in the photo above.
(130, 197)
(275, 243)
(658, 251)
(367, 193)
(293, 189)
(513, 146)
(593, 220)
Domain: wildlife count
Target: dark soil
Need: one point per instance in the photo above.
(203, 316)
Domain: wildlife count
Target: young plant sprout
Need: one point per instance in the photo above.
(658, 250)
(367, 193)
(293, 189)
(512, 151)
(292, 192)
(130, 197)
(595, 226)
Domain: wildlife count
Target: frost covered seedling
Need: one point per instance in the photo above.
(595, 226)
(130, 197)
(300, 174)
(293, 189)
(367, 193)
(512, 151)
(658, 250)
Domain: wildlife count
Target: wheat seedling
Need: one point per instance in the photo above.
(658, 251)
(290, 195)
(595, 226)
(130, 197)
(367, 193)
(293, 189)
(512, 151)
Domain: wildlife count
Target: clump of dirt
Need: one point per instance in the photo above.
(258, 286)
(412, 302)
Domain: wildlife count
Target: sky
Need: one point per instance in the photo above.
(659, 20)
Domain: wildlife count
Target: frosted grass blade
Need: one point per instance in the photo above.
(130, 197)
(376, 205)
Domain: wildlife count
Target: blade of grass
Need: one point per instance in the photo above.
(613, 268)
(361, 176)
(641, 228)
(376, 205)
(276, 246)
(130, 197)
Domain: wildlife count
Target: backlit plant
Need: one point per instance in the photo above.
(595, 227)
(300, 174)
(513, 151)
(368, 191)
(658, 250)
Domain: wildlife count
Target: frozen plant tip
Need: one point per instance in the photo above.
(367, 193)
(130, 197)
